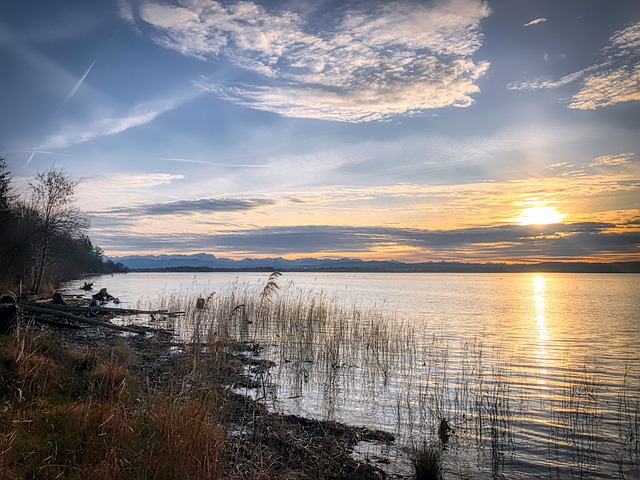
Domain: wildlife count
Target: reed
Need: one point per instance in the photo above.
(354, 357)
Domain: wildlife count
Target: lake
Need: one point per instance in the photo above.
(538, 374)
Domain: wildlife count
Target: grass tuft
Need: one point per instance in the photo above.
(426, 461)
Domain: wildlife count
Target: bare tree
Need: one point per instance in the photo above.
(52, 200)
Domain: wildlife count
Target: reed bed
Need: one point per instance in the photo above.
(333, 358)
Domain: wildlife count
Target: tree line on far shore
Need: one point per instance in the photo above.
(43, 235)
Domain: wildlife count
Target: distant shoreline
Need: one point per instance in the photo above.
(544, 267)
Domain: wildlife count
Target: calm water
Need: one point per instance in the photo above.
(539, 374)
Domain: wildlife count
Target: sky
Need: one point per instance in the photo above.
(449, 130)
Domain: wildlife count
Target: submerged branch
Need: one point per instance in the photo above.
(76, 318)
(102, 309)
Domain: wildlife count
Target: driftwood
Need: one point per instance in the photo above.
(89, 321)
(58, 299)
(103, 295)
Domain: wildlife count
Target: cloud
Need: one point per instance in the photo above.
(559, 242)
(544, 83)
(612, 160)
(141, 114)
(559, 165)
(371, 61)
(96, 192)
(613, 79)
(126, 11)
(205, 162)
(535, 22)
(616, 85)
(205, 205)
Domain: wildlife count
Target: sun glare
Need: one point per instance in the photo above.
(540, 216)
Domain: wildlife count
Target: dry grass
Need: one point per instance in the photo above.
(76, 413)
(426, 461)
(99, 440)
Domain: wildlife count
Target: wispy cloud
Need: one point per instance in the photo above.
(544, 83)
(612, 160)
(613, 79)
(98, 192)
(535, 22)
(205, 162)
(126, 11)
(372, 60)
(140, 114)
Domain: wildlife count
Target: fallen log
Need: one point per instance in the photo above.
(76, 318)
(132, 311)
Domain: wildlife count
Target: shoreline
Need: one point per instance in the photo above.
(297, 447)
(428, 267)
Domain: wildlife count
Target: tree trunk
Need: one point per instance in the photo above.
(43, 258)
(8, 314)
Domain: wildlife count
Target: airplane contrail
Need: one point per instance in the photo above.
(72, 93)
(30, 158)
(84, 75)
(78, 84)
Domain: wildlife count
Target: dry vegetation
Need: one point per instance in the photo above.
(94, 404)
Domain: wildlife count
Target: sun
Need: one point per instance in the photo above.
(540, 215)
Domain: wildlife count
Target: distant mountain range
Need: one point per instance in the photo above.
(209, 262)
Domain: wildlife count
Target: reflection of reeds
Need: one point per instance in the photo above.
(496, 404)
(576, 417)
(627, 455)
